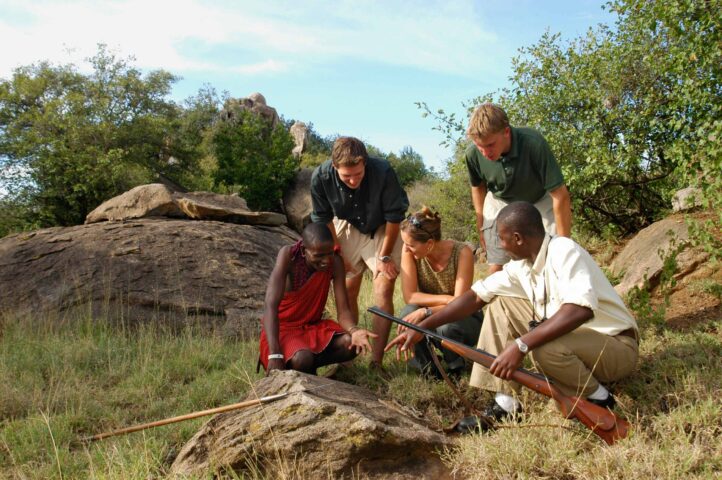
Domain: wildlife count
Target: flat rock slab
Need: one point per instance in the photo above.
(157, 200)
(335, 431)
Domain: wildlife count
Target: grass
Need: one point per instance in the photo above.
(65, 377)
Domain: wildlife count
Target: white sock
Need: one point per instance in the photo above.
(507, 402)
(600, 393)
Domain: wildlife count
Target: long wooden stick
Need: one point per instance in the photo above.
(190, 416)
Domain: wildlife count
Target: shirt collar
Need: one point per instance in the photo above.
(514, 151)
(541, 258)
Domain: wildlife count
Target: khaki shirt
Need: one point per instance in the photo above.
(569, 275)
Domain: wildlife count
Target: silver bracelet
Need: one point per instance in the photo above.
(274, 356)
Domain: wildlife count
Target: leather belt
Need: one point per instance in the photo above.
(631, 333)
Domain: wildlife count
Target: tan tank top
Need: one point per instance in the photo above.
(439, 283)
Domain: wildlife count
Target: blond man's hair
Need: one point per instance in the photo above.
(486, 120)
(348, 151)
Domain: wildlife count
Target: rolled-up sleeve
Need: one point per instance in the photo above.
(394, 199)
(499, 283)
(322, 210)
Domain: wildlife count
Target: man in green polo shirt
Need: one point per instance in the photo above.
(508, 164)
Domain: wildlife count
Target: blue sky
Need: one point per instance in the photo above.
(349, 67)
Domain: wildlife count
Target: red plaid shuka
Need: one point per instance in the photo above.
(299, 314)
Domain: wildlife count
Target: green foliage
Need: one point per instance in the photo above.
(254, 159)
(449, 196)
(632, 113)
(69, 140)
(409, 166)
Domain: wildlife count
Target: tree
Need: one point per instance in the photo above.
(69, 141)
(631, 113)
(254, 158)
(409, 166)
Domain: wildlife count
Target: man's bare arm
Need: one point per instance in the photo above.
(478, 194)
(562, 204)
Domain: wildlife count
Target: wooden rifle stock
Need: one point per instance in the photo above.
(603, 422)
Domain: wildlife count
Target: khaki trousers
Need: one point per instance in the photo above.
(576, 362)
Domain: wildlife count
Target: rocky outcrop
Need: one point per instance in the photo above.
(255, 103)
(170, 270)
(297, 200)
(331, 430)
(157, 200)
(299, 132)
(642, 258)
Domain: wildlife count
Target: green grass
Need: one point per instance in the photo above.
(65, 378)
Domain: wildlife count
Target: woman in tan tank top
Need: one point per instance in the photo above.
(433, 273)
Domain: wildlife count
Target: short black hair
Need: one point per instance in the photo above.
(523, 218)
(317, 234)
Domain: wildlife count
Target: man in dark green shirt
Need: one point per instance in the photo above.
(508, 164)
(362, 202)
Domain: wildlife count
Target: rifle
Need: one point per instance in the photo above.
(603, 422)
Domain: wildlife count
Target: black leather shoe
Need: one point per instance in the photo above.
(491, 414)
(496, 413)
(608, 402)
(473, 424)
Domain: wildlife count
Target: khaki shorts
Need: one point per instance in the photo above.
(359, 250)
(495, 255)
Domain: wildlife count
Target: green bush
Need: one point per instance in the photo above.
(253, 159)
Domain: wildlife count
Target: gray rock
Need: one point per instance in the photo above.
(297, 200)
(299, 132)
(255, 103)
(336, 431)
(152, 269)
(686, 199)
(643, 256)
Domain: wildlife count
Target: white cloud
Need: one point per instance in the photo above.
(268, 37)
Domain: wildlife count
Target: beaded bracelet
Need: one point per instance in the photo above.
(274, 356)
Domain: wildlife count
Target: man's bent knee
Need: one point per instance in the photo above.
(303, 361)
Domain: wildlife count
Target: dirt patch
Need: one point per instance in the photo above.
(696, 298)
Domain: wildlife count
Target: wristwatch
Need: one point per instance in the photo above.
(428, 312)
(385, 258)
(523, 347)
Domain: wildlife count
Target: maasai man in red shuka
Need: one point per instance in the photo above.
(294, 335)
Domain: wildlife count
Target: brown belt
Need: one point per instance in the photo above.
(631, 333)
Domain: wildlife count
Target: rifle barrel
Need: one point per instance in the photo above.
(601, 421)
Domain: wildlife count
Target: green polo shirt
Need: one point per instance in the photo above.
(526, 172)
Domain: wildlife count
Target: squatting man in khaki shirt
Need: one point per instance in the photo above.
(553, 302)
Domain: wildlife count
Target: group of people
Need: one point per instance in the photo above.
(544, 297)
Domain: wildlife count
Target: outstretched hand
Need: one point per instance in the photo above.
(360, 341)
(404, 343)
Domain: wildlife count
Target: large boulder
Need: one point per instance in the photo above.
(331, 430)
(157, 200)
(172, 270)
(642, 258)
(297, 200)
